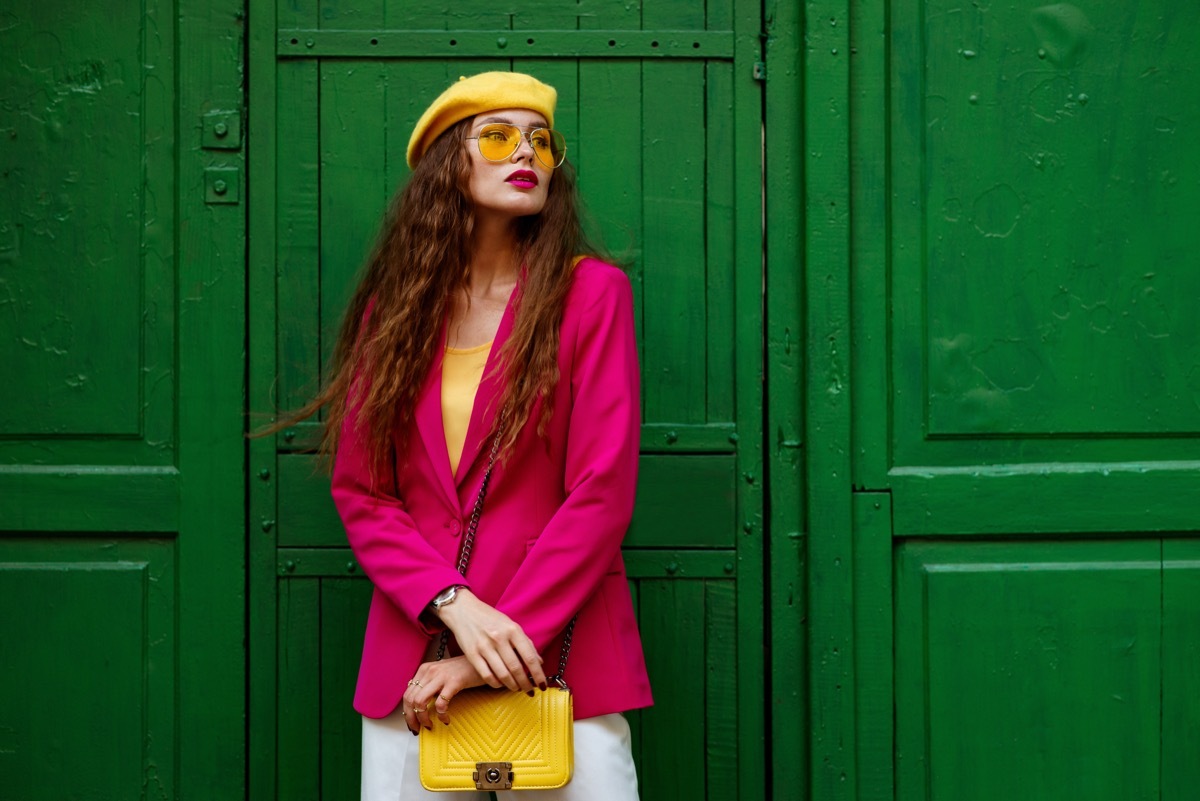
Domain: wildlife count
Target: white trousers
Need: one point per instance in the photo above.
(603, 765)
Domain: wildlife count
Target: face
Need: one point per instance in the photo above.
(516, 186)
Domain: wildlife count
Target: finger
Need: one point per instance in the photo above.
(442, 704)
(484, 670)
(410, 714)
(516, 669)
(501, 671)
(422, 708)
(533, 663)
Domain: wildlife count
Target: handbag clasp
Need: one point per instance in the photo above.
(493, 775)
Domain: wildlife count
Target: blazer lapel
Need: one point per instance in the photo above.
(429, 423)
(483, 413)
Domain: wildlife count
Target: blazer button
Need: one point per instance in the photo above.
(455, 528)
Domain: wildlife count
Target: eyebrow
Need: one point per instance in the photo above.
(540, 124)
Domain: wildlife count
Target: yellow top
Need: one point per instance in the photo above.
(462, 370)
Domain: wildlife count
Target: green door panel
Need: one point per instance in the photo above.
(662, 114)
(1029, 670)
(84, 144)
(122, 514)
(80, 141)
(1034, 351)
(88, 636)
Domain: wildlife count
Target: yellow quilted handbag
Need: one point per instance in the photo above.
(501, 740)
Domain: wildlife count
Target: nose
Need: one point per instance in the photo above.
(524, 144)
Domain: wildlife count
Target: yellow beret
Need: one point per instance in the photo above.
(475, 95)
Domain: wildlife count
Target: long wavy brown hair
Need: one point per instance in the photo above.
(392, 326)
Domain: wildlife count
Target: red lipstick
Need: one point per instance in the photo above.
(523, 179)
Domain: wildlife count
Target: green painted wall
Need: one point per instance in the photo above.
(917, 518)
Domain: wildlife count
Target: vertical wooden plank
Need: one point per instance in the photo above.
(678, 15)
(344, 605)
(635, 717)
(211, 266)
(720, 253)
(785, 376)
(608, 15)
(562, 15)
(298, 272)
(673, 95)
(608, 157)
(869, 222)
(262, 362)
(673, 220)
(827, 275)
(351, 15)
(288, 14)
(911, 663)
(719, 15)
(298, 725)
(1180, 669)
(673, 635)
(353, 180)
(721, 689)
(748, 377)
(873, 637)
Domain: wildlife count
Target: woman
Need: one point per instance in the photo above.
(474, 317)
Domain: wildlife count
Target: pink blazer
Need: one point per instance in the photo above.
(548, 544)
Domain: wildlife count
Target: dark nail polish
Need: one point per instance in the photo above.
(415, 733)
(530, 693)
(542, 686)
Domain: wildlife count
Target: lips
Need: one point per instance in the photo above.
(523, 179)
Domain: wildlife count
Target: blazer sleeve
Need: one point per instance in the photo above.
(577, 547)
(385, 540)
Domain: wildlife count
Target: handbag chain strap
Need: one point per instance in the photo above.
(464, 559)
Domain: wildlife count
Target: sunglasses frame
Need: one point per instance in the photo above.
(527, 135)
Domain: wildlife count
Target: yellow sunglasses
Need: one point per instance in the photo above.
(499, 140)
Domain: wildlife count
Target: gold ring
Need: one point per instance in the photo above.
(444, 698)
(414, 683)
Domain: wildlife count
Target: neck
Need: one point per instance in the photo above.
(494, 256)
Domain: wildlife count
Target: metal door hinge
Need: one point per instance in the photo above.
(493, 775)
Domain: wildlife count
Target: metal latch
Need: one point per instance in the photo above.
(493, 775)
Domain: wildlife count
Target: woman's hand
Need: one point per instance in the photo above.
(436, 682)
(493, 643)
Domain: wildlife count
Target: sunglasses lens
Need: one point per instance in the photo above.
(498, 141)
(549, 146)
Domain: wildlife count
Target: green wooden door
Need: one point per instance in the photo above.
(121, 406)
(1002, 400)
(663, 112)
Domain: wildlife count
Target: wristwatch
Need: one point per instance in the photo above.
(446, 596)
